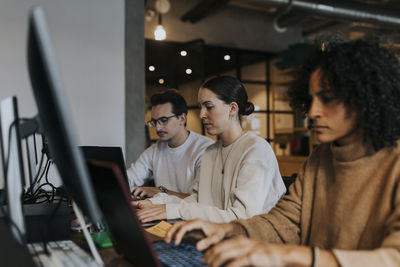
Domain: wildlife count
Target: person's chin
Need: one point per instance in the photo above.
(164, 137)
(322, 138)
(211, 131)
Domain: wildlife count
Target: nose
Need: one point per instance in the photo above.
(202, 113)
(315, 109)
(159, 126)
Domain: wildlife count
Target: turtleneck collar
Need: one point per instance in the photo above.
(353, 151)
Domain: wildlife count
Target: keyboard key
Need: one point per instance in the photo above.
(61, 253)
(178, 256)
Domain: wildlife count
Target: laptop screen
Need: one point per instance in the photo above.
(109, 154)
(113, 196)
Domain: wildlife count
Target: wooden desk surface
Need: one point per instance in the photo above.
(109, 255)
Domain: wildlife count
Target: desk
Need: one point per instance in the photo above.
(109, 256)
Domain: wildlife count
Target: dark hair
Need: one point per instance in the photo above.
(172, 96)
(229, 89)
(365, 77)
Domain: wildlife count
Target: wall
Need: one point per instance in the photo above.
(88, 39)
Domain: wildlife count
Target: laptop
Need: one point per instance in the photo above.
(109, 154)
(127, 233)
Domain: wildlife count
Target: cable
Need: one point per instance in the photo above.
(37, 174)
(89, 240)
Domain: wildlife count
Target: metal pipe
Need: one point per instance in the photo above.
(341, 10)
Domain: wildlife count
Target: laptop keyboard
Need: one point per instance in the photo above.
(60, 253)
(176, 256)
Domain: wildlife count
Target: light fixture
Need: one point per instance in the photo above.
(152, 68)
(227, 57)
(183, 53)
(161, 81)
(188, 71)
(159, 33)
(162, 6)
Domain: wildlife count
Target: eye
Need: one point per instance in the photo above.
(163, 119)
(327, 97)
(209, 107)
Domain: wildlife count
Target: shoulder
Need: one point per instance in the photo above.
(252, 140)
(251, 146)
(201, 139)
(391, 152)
(199, 142)
(214, 147)
(159, 145)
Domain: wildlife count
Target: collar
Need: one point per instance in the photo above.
(353, 151)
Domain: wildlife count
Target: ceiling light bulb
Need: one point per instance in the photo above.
(161, 81)
(159, 33)
(183, 53)
(152, 68)
(188, 71)
(227, 57)
(162, 6)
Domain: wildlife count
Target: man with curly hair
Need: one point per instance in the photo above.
(344, 207)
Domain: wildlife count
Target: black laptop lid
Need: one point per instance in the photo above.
(107, 153)
(113, 197)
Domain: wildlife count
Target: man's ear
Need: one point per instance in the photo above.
(182, 119)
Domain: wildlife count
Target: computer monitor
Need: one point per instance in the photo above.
(54, 117)
(13, 167)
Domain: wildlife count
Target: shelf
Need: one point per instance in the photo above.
(290, 130)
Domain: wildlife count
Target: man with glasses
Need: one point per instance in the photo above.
(174, 160)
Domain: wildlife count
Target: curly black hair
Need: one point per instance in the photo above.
(365, 77)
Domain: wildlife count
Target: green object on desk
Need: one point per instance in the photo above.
(102, 239)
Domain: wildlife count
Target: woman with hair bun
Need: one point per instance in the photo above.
(239, 174)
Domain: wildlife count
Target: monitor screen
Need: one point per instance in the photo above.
(54, 117)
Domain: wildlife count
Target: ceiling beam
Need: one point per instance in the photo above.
(203, 9)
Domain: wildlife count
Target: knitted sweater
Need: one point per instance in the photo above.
(250, 183)
(345, 199)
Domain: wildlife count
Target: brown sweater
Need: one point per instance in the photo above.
(346, 199)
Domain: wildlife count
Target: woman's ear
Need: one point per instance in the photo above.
(234, 109)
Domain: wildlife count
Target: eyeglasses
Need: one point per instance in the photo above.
(161, 121)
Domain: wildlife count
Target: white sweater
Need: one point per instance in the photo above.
(251, 183)
(174, 168)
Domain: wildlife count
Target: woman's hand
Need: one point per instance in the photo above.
(242, 251)
(152, 212)
(141, 204)
(214, 232)
(143, 191)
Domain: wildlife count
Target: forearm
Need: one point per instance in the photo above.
(193, 210)
(303, 256)
(180, 195)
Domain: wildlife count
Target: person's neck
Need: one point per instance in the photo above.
(231, 135)
(352, 137)
(179, 139)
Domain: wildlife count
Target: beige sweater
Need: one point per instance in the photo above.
(250, 185)
(345, 199)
